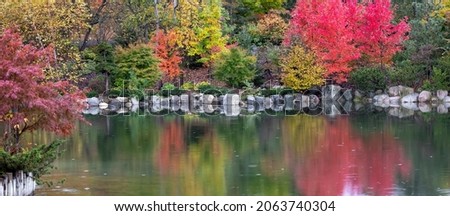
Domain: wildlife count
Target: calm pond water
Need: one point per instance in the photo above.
(363, 154)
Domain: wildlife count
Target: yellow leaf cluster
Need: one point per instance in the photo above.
(300, 69)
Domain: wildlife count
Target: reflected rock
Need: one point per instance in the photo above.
(155, 99)
(122, 111)
(410, 106)
(395, 100)
(447, 99)
(441, 94)
(208, 108)
(268, 103)
(424, 107)
(383, 98)
(250, 109)
(134, 108)
(400, 112)
(411, 98)
(94, 111)
(232, 110)
(175, 107)
(441, 109)
(156, 107)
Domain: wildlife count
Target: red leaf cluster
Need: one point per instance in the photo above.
(28, 101)
(164, 45)
(341, 32)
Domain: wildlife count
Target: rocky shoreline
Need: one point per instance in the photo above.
(399, 101)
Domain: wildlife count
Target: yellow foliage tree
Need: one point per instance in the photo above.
(300, 69)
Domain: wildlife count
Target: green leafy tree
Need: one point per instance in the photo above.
(137, 68)
(300, 69)
(235, 67)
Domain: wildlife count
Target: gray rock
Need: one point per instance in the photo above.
(441, 109)
(378, 92)
(424, 107)
(289, 101)
(184, 98)
(134, 108)
(331, 92)
(348, 95)
(156, 107)
(232, 110)
(424, 96)
(93, 101)
(400, 112)
(358, 94)
(447, 105)
(185, 107)
(175, 106)
(165, 103)
(383, 98)
(122, 99)
(332, 110)
(208, 99)
(259, 101)
(155, 99)
(197, 98)
(134, 101)
(94, 111)
(405, 90)
(394, 91)
(313, 100)
(395, 100)
(268, 103)
(446, 99)
(251, 100)
(250, 108)
(277, 99)
(208, 108)
(441, 94)
(384, 104)
(122, 111)
(175, 100)
(128, 104)
(103, 105)
(411, 98)
(231, 100)
(347, 107)
(410, 106)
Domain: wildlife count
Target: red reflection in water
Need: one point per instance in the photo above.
(171, 145)
(345, 163)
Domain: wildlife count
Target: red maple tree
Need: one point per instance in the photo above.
(341, 32)
(164, 45)
(28, 101)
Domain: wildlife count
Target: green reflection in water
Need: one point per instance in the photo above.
(370, 154)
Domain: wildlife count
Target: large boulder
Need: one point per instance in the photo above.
(231, 99)
(424, 96)
(441, 94)
(93, 101)
(394, 91)
(331, 92)
(208, 99)
(404, 90)
(289, 101)
(411, 98)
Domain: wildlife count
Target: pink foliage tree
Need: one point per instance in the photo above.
(341, 33)
(28, 101)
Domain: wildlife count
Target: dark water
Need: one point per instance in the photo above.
(367, 154)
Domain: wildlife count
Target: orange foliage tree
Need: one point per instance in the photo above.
(164, 45)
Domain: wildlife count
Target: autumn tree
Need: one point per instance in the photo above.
(199, 29)
(29, 102)
(300, 69)
(42, 24)
(164, 46)
(342, 32)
